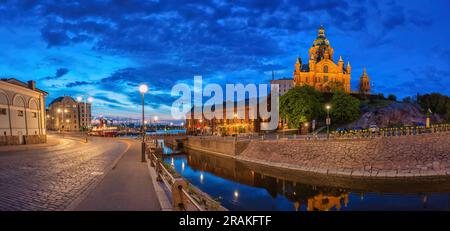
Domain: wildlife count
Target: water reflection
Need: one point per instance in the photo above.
(241, 186)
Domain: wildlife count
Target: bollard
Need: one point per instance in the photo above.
(179, 201)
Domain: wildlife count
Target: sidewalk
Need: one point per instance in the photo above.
(126, 187)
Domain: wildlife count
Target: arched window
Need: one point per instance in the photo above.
(325, 69)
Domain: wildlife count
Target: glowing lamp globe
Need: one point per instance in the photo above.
(143, 89)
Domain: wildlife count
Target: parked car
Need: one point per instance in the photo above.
(341, 129)
(356, 129)
(374, 128)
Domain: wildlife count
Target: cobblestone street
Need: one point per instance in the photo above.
(53, 176)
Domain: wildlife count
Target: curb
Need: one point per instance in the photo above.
(163, 199)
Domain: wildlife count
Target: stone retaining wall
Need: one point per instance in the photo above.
(216, 146)
(35, 139)
(404, 156)
(15, 140)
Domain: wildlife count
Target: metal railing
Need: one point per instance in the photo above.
(349, 134)
(391, 132)
(182, 199)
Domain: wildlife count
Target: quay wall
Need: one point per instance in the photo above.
(218, 146)
(402, 156)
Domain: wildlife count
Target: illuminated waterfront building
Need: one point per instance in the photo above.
(66, 114)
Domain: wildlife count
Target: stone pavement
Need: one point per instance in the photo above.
(52, 176)
(127, 186)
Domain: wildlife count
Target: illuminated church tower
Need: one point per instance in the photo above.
(364, 83)
(321, 72)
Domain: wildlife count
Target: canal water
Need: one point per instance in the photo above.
(241, 186)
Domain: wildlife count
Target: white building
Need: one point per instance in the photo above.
(285, 84)
(22, 112)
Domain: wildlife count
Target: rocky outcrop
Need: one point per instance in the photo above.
(391, 114)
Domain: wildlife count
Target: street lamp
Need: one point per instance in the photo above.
(86, 119)
(63, 121)
(328, 121)
(143, 89)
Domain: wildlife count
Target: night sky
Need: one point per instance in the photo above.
(105, 49)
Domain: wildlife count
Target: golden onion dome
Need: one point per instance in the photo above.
(321, 40)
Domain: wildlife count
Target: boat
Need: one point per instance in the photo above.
(104, 130)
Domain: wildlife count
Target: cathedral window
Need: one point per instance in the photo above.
(325, 69)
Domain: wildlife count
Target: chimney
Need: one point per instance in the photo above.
(32, 85)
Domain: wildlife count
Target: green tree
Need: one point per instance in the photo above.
(447, 115)
(436, 102)
(392, 97)
(345, 108)
(300, 105)
(407, 99)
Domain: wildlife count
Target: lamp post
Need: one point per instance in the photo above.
(86, 123)
(143, 89)
(328, 121)
(59, 121)
(63, 121)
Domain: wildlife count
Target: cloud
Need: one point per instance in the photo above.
(60, 72)
(162, 43)
(77, 83)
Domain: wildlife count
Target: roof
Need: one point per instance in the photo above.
(22, 84)
(60, 99)
(284, 78)
(305, 67)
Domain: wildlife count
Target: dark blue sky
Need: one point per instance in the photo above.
(107, 48)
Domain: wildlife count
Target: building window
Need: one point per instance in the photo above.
(33, 115)
(20, 113)
(325, 69)
(2, 111)
(325, 78)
